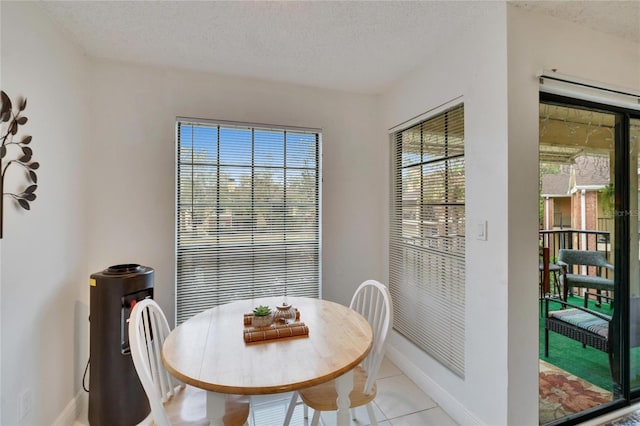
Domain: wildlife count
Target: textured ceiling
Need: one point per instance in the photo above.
(346, 45)
(617, 18)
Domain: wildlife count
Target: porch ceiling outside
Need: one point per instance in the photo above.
(566, 133)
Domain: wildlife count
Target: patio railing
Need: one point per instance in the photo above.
(577, 239)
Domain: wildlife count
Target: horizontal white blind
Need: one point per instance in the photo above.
(247, 214)
(427, 236)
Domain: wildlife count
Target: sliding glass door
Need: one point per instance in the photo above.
(634, 255)
(589, 204)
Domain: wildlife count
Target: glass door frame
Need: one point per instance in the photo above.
(623, 213)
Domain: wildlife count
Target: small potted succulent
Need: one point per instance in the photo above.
(262, 316)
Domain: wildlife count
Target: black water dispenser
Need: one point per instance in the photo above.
(116, 396)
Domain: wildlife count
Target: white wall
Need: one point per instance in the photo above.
(538, 42)
(474, 67)
(43, 265)
(132, 158)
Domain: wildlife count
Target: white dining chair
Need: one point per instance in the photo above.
(373, 301)
(172, 402)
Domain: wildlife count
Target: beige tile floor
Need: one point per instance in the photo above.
(399, 402)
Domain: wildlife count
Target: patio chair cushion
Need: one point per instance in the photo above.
(583, 320)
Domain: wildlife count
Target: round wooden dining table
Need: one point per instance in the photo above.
(208, 351)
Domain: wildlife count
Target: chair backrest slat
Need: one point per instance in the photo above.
(164, 380)
(373, 301)
(148, 329)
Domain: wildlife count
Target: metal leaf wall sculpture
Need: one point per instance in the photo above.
(13, 146)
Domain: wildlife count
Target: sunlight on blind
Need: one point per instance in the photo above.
(247, 214)
(427, 236)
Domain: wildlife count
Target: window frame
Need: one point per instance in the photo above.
(274, 248)
(417, 291)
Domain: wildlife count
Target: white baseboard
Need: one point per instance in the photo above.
(72, 411)
(444, 399)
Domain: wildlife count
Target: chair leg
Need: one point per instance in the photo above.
(252, 413)
(306, 411)
(556, 284)
(372, 416)
(546, 342)
(546, 330)
(316, 418)
(541, 299)
(292, 407)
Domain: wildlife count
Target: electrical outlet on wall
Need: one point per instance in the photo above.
(24, 404)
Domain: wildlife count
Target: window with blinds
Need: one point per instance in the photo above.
(427, 236)
(248, 205)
